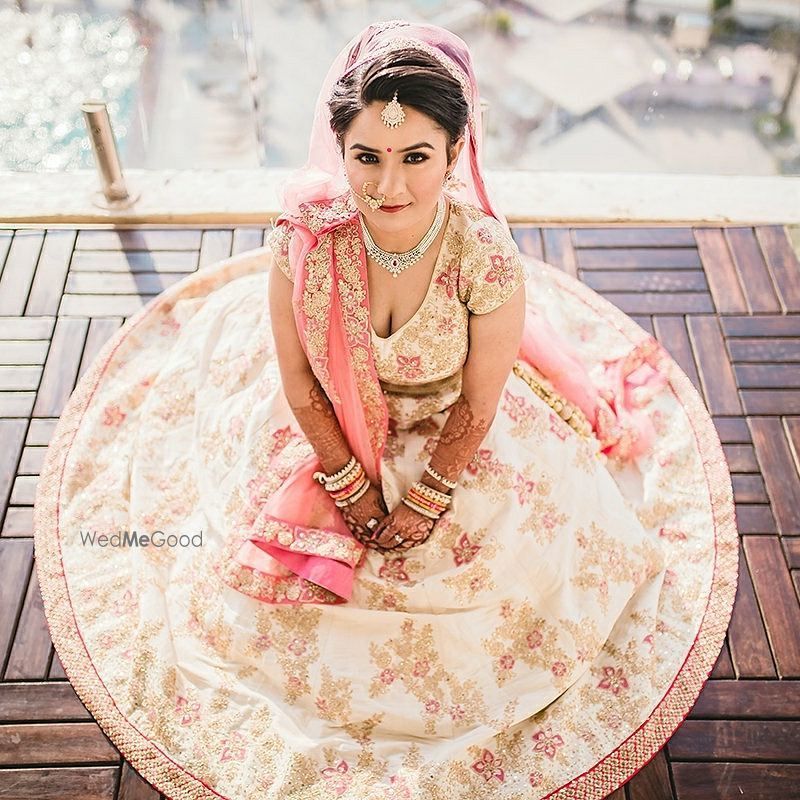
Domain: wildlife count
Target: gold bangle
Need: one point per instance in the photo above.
(346, 480)
(436, 476)
(337, 475)
(432, 494)
(360, 492)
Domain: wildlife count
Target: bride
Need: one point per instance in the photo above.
(443, 526)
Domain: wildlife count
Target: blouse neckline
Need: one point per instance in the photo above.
(434, 274)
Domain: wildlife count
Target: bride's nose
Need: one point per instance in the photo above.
(391, 184)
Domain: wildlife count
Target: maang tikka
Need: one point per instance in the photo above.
(393, 115)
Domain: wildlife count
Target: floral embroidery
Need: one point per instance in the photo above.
(547, 742)
(489, 767)
(448, 278)
(614, 680)
(409, 366)
(502, 270)
(464, 551)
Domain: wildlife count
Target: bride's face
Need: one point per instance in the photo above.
(407, 164)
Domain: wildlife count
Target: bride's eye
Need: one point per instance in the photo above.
(362, 156)
(422, 157)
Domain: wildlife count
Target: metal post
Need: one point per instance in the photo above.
(114, 193)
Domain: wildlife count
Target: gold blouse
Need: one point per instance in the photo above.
(477, 269)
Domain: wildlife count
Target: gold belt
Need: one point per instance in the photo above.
(569, 412)
(417, 389)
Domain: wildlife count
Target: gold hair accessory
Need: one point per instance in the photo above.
(393, 115)
(373, 202)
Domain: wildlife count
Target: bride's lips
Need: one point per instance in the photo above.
(394, 209)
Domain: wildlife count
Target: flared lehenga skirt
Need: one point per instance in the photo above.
(545, 641)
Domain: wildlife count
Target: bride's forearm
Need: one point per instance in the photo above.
(461, 435)
(315, 416)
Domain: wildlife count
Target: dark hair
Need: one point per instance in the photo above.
(419, 80)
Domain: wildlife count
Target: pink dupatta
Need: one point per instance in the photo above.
(299, 538)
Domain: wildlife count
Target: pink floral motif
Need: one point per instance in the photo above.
(399, 789)
(524, 488)
(257, 488)
(448, 277)
(394, 570)
(501, 271)
(263, 642)
(672, 535)
(669, 577)
(445, 326)
(338, 777)
(432, 706)
(388, 676)
(409, 366)
(464, 550)
(535, 778)
(188, 712)
(297, 646)
(280, 438)
(614, 680)
(457, 712)
(506, 661)
(534, 639)
(483, 459)
(234, 747)
(517, 407)
(113, 416)
(421, 668)
(547, 742)
(489, 766)
(484, 235)
(559, 669)
(649, 640)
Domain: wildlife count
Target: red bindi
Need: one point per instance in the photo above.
(388, 149)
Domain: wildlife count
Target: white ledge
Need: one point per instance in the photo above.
(230, 197)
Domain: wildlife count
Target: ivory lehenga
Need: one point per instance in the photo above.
(545, 641)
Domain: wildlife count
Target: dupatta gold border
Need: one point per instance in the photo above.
(172, 779)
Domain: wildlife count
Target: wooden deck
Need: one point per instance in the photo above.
(724, 301)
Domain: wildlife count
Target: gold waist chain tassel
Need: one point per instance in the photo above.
(569, 412)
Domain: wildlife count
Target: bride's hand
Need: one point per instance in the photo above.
(403, 522)
(369, 506)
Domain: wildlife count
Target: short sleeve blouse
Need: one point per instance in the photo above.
(278, 239)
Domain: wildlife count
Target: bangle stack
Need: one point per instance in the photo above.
(436, 476)
(347, 485)
(426, 500)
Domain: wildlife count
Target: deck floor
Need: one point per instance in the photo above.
(725, 301)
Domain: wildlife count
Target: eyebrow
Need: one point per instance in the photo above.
(417, 146)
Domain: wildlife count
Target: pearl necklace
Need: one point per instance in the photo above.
(395, 263)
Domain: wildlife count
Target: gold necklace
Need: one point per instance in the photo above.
(395, 263)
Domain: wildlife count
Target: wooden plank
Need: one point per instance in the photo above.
(767, 376)
(23, 744)
(638, 258)
(728, 781)
(145, 283)
(558, 250)
(720, 269)
(61, 367)
(133, 787)
(248, 239)
(633, 237)
(658, 303)
(782, 263)
(791, 549)
(30, 652)
(56, 669)
(645, 322)
(31, 461)
(716, 374)
(40, 431)
(78, 783)
(15, 282)
(26, 327)
(732, 430)
(749, 489)
(652, 781)
(5, 245)
(755, 279)
(774, 350)
(748, 700)
(755, 519)
(215, 246)
(16, 404)
(671, 332)
(654, 280)
(16, 561)
(167, 261)
(53, 701)
(101, 329)
(727, 739)
(22, 352)
(776, 402)
(779, 468)
(529, 240)
(740, 457)
(619, 794)
(747, 638)
(19, 379)
(140, 239)
(778, 601)
(761, 326)
(23, 491)
(12, 435)
(103, 305)
(18, 522)
(723, 668)
(48, 282)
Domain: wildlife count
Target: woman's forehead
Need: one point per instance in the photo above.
(417, 127)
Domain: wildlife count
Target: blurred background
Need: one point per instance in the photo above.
(693, 86)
